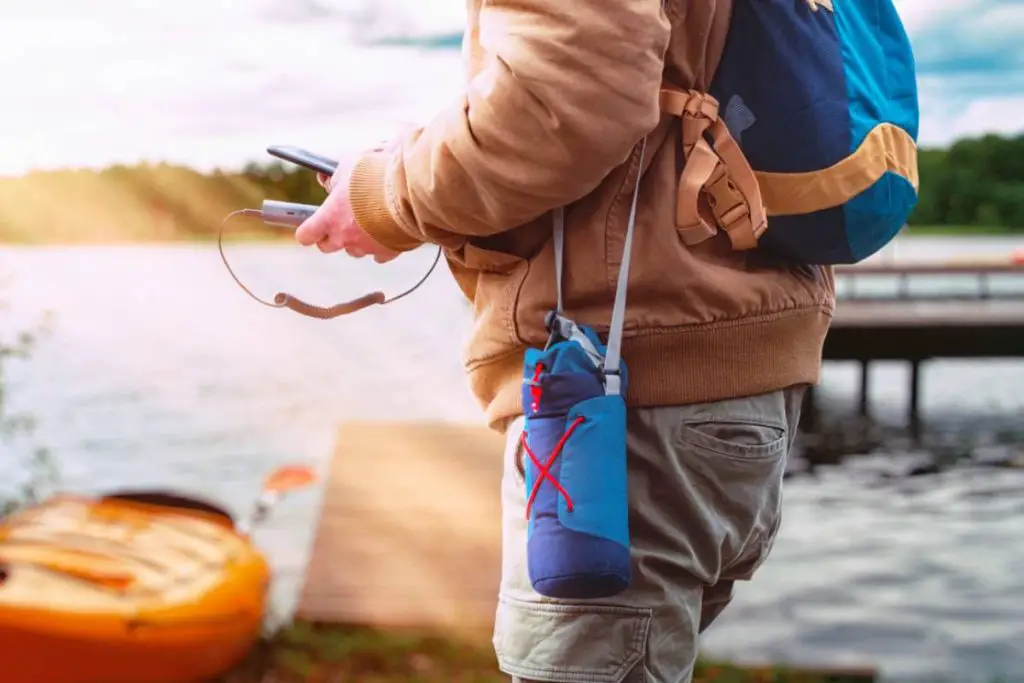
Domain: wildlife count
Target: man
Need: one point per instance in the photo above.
(719, 346)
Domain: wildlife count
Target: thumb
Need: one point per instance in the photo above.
(312, 230)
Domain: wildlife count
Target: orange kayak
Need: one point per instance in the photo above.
(136, 588)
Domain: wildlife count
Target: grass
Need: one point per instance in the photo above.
(303, 653)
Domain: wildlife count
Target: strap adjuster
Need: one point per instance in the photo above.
(550, 320)
(612, 382)
(558, 327)
(727, 203)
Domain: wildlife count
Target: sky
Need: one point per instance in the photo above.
(212, 82)
(970, 62)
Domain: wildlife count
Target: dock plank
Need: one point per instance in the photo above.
(930, 313)
(914, 330)
(971, 267)
(410, 529)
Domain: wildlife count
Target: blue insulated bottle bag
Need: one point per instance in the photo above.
(574, 448)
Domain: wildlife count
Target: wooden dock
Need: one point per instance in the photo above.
(410, 529)
(974, 322)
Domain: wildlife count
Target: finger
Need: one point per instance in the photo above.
(355, 251)
(324, 180)
(328, 246)
(313, 230)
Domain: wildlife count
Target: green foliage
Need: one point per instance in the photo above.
(291, 184)
(38, 472)
(144, 203)
(976, 185)
(976, 182)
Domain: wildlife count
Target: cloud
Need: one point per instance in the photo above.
(970, 65)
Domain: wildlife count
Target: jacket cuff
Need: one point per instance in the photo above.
(368, 194)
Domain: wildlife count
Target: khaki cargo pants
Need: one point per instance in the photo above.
(705, 486)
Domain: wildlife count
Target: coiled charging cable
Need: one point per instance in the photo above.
(286, 214)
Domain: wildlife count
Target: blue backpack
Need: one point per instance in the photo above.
(806, 144)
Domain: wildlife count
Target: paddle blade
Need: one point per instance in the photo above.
(289, 478)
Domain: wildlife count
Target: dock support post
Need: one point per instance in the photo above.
(865, 373)
(915, 398)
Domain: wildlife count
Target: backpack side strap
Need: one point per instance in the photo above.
(715, 171)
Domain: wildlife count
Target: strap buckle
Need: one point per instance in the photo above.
(612, 382)
(558, 326)
(726, 201)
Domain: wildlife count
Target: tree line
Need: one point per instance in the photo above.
(974, 185)
(974, 182)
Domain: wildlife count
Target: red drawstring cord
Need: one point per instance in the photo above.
(544, 471)
(535, 390)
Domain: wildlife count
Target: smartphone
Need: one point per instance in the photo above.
(301, 157)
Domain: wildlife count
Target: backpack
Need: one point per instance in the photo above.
(805, 144)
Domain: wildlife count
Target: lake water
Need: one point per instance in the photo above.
(159, 371)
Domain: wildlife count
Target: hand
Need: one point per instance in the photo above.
(333, 227)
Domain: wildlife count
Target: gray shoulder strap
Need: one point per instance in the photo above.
(613, 356)
(559, 254)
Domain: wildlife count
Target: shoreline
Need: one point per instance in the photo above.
(283, 236)
(972, 187)
(959, 231)
(248, 238)
(162, 203)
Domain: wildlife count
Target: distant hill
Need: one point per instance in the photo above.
(158, 202)
(976, 185)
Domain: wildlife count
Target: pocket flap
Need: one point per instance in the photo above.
(485, 260)
(569, 643)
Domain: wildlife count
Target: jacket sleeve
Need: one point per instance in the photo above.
(565, 91)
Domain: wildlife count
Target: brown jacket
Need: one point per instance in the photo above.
(559, 94)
